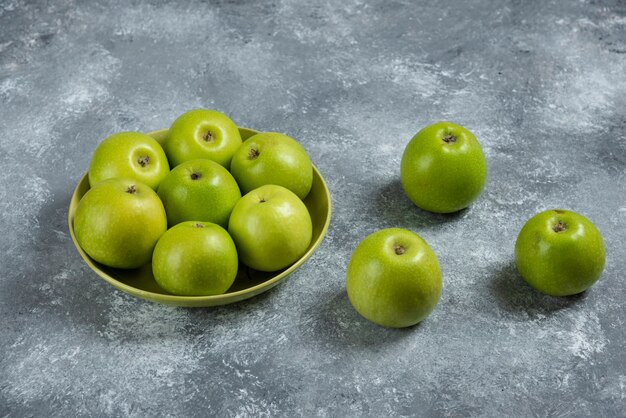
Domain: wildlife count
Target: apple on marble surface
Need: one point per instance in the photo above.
(443, 168)
(560, 253)
(393, 278)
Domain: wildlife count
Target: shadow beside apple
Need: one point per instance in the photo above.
(338, 324)
(392, 205)
(514, 295)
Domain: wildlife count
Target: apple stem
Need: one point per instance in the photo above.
(559, 226)
(131, 189)
(253, 154)
(449, 139)
(143, 160)
(399, 249)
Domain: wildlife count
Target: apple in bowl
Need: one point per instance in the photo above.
(118, 222)
(272, 158)
(202, 133)
(195, 259)
(130, 155)
(271, 228)
(199, 190)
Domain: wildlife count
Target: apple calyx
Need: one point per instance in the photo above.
(559, 226)
(262, 200)
(253, 154)
(208, 136)
(131, 189)
(143, 160)
(449, 139)
(399, 249)
(198, 225)
(195, 175)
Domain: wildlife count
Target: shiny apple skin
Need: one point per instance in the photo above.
(117, 228)
(195, 259)
(199, 190)
(187, 138)
(273, 158)
(271, 228)
(440, 176)
(394, 278)
(129, 155)
(560, 260)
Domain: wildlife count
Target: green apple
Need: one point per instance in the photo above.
(130, 155)
(443, 168)
(199, 190)
(202, 133)
(119, 221)
(272, 158)
(393, 278)
(271, 228)
(195, 259)
(560, 253)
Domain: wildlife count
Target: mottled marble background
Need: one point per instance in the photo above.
(542, 84)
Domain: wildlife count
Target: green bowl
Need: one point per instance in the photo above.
(140, 282)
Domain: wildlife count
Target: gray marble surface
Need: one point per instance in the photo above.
(542, 84)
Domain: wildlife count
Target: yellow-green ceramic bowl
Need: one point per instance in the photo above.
(249, 283)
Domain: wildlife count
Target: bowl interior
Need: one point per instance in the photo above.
(140, 282)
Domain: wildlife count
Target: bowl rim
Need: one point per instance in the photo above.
(225, 297)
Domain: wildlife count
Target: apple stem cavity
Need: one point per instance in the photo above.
(559, 226)
(196, 176)
(449, 139)
(131, 189)
(208, 137)
(143, 160)
(253, 154)
(262, 200)
(399, 249)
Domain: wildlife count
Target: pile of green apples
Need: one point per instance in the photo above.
(192, 222)
(394, 278)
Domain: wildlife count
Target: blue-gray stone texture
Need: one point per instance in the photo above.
(542, 84)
